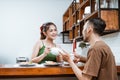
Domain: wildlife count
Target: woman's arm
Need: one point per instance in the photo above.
(36, 49)
(59, 56)
(38, 58)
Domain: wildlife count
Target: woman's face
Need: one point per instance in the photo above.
(52, 32)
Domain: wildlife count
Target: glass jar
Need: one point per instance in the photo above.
(113, 3)
(109, 3)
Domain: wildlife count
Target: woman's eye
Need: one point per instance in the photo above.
(51, 30)
(55, 29)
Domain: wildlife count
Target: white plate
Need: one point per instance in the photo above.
(55, 64)
(66, 64)
(33, 64)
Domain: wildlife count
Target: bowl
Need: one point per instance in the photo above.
(55, 51)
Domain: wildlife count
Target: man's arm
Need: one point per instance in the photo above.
(83, 59)
(79, 58)
(78, 72)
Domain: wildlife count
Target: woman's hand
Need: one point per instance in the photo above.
(47, 50)
(59, 58)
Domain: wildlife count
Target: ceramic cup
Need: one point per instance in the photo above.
(56, 51)
(72, 56)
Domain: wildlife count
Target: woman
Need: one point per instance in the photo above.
(41, 51)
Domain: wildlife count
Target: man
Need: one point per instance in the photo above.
(100, 63)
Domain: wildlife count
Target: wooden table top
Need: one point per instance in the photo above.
(39, 70)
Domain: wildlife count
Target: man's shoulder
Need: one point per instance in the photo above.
(100, 48)
(100, 45)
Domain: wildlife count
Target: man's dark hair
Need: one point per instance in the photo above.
(98, 25)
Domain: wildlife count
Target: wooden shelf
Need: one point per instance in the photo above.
(109, 31)
(71, 35)
(109, 9)
(111, 19)
(84, 4)
(66, 20)
(92, 15)
(66, 16)
(65, 32)
(76, 11)
(79, 38)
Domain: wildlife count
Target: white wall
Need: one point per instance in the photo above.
(19, 25)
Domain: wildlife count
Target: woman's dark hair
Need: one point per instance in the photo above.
(44, 28)
(98, 25)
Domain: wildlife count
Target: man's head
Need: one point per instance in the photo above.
(93, 26)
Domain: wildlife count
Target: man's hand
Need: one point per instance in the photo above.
(65, 56)
(79, 58)
(76, 58)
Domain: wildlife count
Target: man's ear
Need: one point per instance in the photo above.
(89, 29)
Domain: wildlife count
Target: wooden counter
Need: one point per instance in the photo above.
(35, 71)
(39, 71)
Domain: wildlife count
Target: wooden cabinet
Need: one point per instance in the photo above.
(10, 72)
(80, 11)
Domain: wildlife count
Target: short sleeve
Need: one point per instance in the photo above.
(93, 63)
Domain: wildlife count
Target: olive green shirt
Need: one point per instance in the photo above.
(49, 57)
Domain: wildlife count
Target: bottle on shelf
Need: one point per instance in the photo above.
(86, 12)
(74, 45)
(96, 4)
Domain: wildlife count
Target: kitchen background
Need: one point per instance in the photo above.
(20, 21)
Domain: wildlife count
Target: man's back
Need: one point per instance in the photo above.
(100, 63)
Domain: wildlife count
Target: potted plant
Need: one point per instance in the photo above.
(84, 48)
